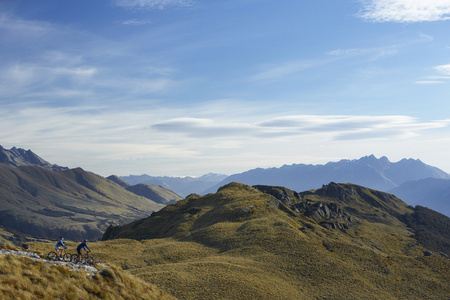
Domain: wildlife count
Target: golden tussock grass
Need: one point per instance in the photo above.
(24, 278)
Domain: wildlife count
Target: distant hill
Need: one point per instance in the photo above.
(118, 180)
(181, 185)
(380, 174)
(19, 157)
(74, 203)
(155, 193)
(433, 193)
(341, 241)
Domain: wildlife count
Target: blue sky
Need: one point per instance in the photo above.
(187, 87)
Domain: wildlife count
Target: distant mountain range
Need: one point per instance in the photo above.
(380, 174)
(181, 185)
(368, 171)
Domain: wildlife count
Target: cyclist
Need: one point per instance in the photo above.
(84, 246)
(60, 247)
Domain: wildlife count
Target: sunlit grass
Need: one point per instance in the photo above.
(23, 278)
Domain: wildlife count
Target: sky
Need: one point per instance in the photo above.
(188, 87)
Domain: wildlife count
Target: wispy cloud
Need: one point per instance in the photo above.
(153, 4)
(443, 69)
(335, 127)
(426, 82)
(443, 77)
(13, 27)
(283, 69)
(135, 22)
(373, 53)
(24, 79)
(405, 11)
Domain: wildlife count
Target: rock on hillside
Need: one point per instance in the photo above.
(342, 241)
(19, 157)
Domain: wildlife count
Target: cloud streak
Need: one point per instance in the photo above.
(335, 127)
(405, 11)
(153, 4)
(443, 69)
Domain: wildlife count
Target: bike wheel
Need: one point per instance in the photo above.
(67, 257)
(51, 256)
(74, 258)
(90, 260)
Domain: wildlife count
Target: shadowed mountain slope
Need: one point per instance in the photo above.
(118, 180)
(155, 193)
(433, 193)
(342, 241)
(73, 203)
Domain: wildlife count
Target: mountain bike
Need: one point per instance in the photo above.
(84, 259)
(64, 256)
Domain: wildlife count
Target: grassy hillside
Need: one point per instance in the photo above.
(155, 193)
(273, 243)
(24, 278)
(73, 203)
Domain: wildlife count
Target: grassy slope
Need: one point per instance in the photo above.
(156, 193)
(236, 245)
(73, 202)
(23, 278)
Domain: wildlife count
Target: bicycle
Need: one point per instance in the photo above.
(84, 259)
(64, 256)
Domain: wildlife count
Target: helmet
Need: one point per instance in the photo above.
(85, 241)
(61, 238)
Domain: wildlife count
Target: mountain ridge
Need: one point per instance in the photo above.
(20, 157)
(367, 171)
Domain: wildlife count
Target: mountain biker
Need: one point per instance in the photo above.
(84, 246)
(60, 246)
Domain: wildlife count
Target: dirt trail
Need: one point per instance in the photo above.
(91, 270)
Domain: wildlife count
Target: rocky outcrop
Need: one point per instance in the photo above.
(17, 157)
(328, 215)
